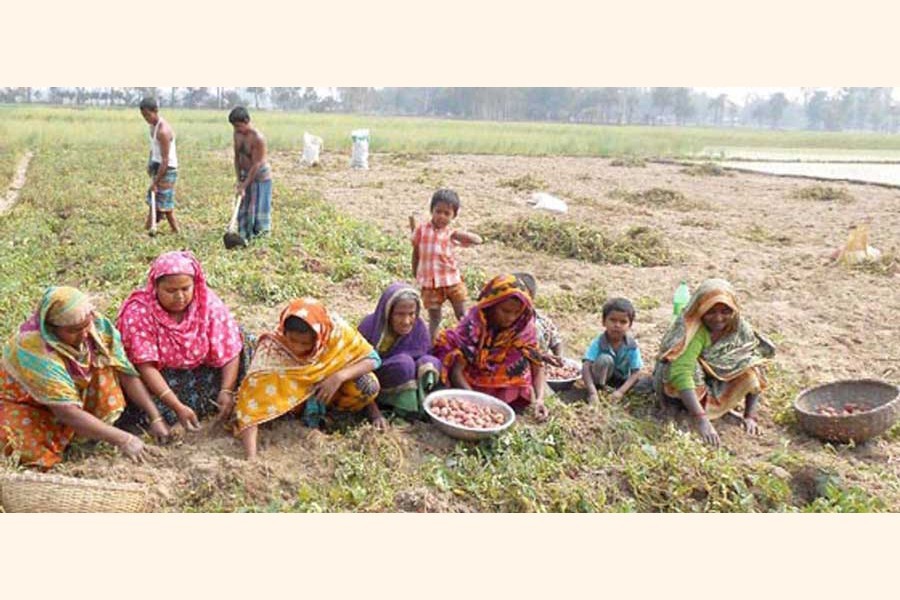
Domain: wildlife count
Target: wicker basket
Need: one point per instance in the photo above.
(36, 492)
(878, 401)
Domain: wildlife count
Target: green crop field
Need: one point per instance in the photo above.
(79, 221)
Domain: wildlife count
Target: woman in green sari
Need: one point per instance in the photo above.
(712, 359)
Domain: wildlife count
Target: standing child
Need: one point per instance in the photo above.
(613, 358)
(254, 177)
(162, 167)
(433, 263)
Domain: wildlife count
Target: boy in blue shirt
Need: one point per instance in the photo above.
(613, 358)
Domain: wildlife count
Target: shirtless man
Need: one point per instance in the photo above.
(162, 167)
(254, 178)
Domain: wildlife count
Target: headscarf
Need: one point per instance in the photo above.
(51, 371)
(207, 335)
(278, 380)
(337, 344)
(493, 358)
(376, 327)
(739, 349)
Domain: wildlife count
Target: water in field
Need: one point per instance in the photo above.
(875, 166)
(800, 154)
(870, 172)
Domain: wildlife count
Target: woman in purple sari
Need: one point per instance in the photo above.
(400, 336)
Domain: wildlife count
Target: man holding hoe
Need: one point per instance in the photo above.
(162, 167)
(254, 177)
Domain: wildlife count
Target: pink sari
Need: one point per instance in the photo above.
(207, 335)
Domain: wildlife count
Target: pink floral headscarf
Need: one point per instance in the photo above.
(208, 335)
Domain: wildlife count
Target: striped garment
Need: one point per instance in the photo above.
(255, 212)
(437, 264)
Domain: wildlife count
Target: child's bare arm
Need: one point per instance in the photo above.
(588, 380)
(466, 238)
(623, 389)
(415, 261)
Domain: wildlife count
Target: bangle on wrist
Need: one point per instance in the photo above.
(156, 419)
(162, 395)
(227, 391)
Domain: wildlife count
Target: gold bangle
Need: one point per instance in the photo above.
(168, 391)
(156, 420)
(229, 392)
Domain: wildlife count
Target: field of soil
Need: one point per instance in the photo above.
(829, 322)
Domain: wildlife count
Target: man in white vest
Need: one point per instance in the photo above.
(162, 166)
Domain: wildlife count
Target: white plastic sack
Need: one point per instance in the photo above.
(870, 254)
(547, 202)
(312, 145)
(359, 157)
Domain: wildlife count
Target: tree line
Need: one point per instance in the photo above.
(848, 108)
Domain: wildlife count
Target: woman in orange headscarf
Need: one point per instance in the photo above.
(313, 360)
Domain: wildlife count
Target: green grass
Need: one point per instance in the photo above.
(660, 198)
(824, 193)
(90, 202)
(639, 246)
(706, 169)
(208, 129)
(9, 160)
(589, 298)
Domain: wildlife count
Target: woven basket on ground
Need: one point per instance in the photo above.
(38, 492)
(877, 406)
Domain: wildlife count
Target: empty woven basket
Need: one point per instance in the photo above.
(38, 492)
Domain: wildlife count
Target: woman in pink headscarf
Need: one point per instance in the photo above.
(184, 342)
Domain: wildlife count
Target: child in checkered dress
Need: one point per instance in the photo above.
(433, 263)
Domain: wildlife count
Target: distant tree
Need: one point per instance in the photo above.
(631, 99)
(732, 110)
(661, 98)
(195, 96)
(717, 107)
(545, 103)
(816, 107)
(357, 99)
(257, 92)
(878, 103)
(682, 106)
(775, 108)
(232, 98)
(287, 98)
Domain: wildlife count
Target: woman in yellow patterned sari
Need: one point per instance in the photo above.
(63, 374)
(311, 362)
